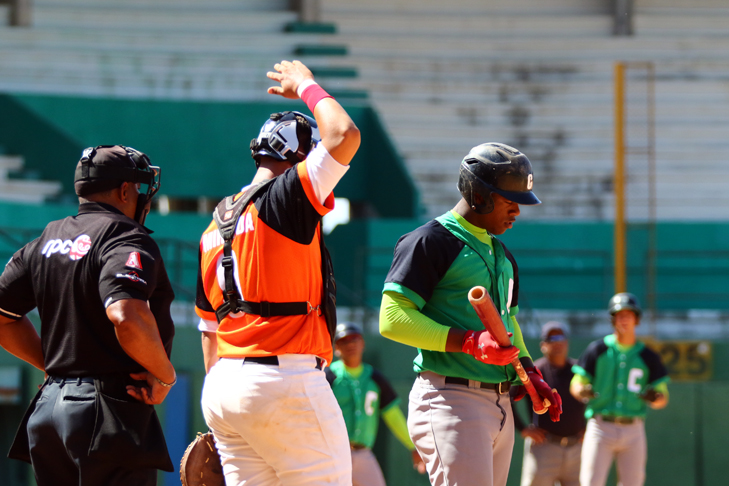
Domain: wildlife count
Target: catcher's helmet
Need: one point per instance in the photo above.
(496, 167)
(106, 167)
(624, 301)
(345, 329)
(286, 136)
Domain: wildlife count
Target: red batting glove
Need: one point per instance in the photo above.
(546, 391)
(482, 346)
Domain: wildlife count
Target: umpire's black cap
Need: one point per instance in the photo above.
(345, 329)
(107, 166)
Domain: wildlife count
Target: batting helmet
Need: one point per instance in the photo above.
(345, 329)
(286, 136)
(106, 167)
(496, 167)
(624, 301)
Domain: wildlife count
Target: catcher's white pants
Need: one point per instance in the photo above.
(276, 425)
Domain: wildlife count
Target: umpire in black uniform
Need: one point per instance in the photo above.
(104, 298)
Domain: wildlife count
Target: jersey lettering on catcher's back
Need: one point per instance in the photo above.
(212, 240)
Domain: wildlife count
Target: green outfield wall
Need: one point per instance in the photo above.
(563, 265)
(202, 147)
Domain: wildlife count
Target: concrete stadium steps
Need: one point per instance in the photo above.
(455, 24)
(560, 113)
(680, 24)
(123, 73)
(97, 39)
(182, 49)
(133, 16)
(23, 190)
(466, 7)
(447, 77)
(531, 49)
(209, 5)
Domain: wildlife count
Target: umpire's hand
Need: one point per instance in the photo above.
(152, 393)
(136, 330)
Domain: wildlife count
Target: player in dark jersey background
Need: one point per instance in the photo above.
(552, 449)
(365, 395)
(618, 377)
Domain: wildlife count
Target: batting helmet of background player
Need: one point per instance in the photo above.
(495, 167)
(286, 136)
(106, 167)
(624, 301)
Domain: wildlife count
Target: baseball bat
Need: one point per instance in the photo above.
(486, 310)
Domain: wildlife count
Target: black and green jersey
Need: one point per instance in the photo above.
(618, 375)
(362, 398)
(435, 266)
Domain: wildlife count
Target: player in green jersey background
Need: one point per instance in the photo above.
(365, 395)
(618, 378)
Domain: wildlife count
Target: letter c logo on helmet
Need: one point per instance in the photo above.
(499, 168)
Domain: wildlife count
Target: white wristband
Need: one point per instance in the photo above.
(304, 84)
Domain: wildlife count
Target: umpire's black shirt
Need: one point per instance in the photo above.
(77, 268)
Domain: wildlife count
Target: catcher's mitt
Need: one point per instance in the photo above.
(200, 464)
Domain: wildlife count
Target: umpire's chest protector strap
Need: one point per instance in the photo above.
(226, 216)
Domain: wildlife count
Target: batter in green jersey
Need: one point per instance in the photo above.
(618, 378)
(459, 414)
(365, 395)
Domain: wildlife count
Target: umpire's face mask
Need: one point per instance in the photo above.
(146, 193)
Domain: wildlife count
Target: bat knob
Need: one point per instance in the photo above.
(545, 404)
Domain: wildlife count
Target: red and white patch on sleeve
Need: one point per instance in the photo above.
(134, 261)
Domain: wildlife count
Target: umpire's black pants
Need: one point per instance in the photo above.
(60, 433)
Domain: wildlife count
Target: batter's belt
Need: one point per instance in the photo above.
(500, 388)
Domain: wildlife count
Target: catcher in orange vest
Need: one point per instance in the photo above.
(262, 297)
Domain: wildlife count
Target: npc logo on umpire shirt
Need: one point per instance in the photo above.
(80, 247)
(74, 249)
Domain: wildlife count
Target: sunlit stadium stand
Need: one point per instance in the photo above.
(539, 75)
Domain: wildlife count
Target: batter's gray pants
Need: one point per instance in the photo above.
(605, 441)
(465, 435)
(546, 463)
(366, 470)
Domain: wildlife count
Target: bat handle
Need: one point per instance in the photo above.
(540, 405)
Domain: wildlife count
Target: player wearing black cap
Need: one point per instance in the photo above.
(459, 417)
(103, 295)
